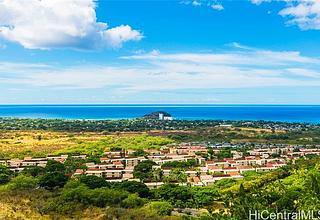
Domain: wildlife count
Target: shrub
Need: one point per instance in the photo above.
(53, 180)
(22, 182)
(93, 181)
(134, 187)
(143, 170)
(180, 196)
(133, 201)
(33, 171)
(161, 208)
(5, 174)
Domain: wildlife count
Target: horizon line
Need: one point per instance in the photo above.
(155, 104)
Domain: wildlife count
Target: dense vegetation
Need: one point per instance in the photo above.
(180, 164)
(251, 136)
(137, 125)
(99, 125)
(51, 193)
(181, 130)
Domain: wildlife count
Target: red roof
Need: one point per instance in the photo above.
(104, 158)
(220, 175)
(269, 165)
(196, 179)
(117, 163)
(235, 173)
(245, 167)
(79, 171)
(95, 169)
(220, 161)
(213, 167)
(229, 168)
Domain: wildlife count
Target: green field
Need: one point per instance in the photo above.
(41, 143)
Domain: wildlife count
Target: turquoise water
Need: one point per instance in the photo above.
(286, 113)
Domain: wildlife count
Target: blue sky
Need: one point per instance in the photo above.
(204, 51)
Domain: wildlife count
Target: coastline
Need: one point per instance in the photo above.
(275, 113)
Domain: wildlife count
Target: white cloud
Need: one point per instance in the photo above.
(118, 35)
(214, 4)
(49, 24)
(303, 13)
(240, 46)
(163, 72)
(217, 7)
(304, 72)
(258, 2)
(250, 56)
(196, 3)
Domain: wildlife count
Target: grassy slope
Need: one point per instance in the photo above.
(40, 143)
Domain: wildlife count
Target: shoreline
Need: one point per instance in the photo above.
(274, 113)
(175, 120)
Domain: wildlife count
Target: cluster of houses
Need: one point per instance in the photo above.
(118, 165)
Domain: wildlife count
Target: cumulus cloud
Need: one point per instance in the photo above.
(303, 13)
(196, 3)
(214, 4)
(217, 7)
(258, 2)
(46, 24)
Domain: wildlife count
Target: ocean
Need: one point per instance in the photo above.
(284, 113)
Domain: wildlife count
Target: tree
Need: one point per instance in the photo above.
(133, 201)
(180, 164)
(5, 174)
(139, 153)
(210, 155)
(180, 196)
(157, 174)
(176, 176)
(103, 196)
(246, 200)
(313, 181)
(204, 196)
(143, 170)
(22, 182)
(93, 159)
(251, 175)
(39, 137)
(53, 180)
(224, 153)
(33, 171)
(134, 187)
(225, 183)
(4, 178)
(54, 166)
(54, 176)
(93, 181)
(160, 208)
(71, 164)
